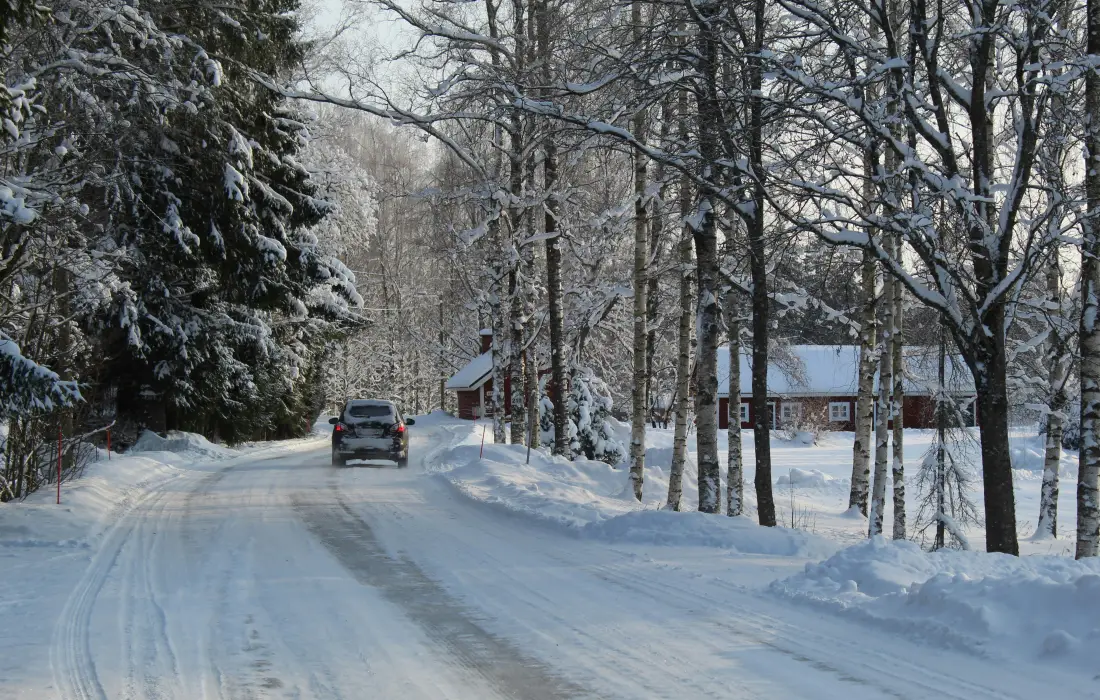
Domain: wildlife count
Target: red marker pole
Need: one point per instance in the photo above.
(59, 466)
(482, 442)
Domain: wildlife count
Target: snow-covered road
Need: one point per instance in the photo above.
(284, 577)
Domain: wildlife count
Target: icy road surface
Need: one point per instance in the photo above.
(284, 577)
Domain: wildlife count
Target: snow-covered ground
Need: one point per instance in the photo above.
(1033, 608)
(191, 571)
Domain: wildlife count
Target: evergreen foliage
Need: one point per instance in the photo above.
(161, 241)
(589, 406)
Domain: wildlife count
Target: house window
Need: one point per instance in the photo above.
(840, 411)
(790, 411)
(744, 413)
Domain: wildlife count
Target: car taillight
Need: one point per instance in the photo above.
(339, 428)
(399, 429)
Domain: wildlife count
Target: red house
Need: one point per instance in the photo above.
(817, 384)
(473, 384)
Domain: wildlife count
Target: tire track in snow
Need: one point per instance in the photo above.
(74, 669)
(350, 539)
(152, 667)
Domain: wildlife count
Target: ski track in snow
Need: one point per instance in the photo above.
(283, 577)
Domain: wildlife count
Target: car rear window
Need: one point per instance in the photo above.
(370, 411)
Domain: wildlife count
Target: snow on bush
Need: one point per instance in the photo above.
(590, 428)
(589, 409)
(1040, 606)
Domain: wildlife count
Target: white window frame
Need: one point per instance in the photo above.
(790, 411)
(847, 405)
(743, 414)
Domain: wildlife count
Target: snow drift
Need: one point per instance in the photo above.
(1034, 607)
(182, 445)
(588, 498)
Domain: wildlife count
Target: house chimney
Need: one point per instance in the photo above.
(486, 339)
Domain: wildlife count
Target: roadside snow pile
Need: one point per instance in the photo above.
(92, 502)
(435, 417)
(87, 505)
(1039, 606)
(186, 445)
(592, 499)
(556, 490)
(802, 478)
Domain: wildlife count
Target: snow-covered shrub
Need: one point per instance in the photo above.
(546, 421)
(589, 406)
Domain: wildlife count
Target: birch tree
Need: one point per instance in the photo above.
(683, 335)
(639, 397)
(1057, 365)
(865, 391)
(897, 401)
(883, 409)
(1088, 473)
(735, 488)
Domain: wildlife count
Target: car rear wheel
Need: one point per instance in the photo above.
(338, 461)
(403, 461)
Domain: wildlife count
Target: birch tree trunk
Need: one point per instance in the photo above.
(882, 413)
(1053, 161)
(500, 366)
(1088, 473)
(865, 392)
(706, 263)
(1056, 403)
(656, 231)
(683, 374)
(683, 338)
(641, 258)
(554, 297)
(868, 331)
(735, 480)
(516, 355)
(706, 364)
(898, 402)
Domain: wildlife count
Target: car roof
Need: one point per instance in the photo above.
(371, 402)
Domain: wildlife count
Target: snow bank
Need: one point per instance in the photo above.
(107, 488)
(435, 417)
(552, 489)
(812, 478)
(1032, 607)
(183, 445)
(591, 499)
(88, 504)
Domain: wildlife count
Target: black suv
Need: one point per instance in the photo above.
(370, 429)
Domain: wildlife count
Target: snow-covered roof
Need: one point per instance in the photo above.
(474, 374)
(832, 370)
